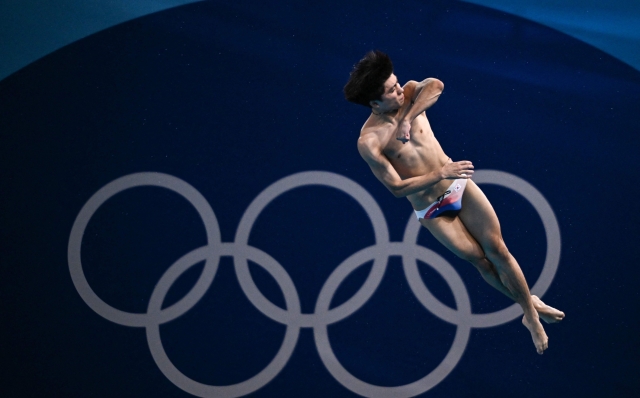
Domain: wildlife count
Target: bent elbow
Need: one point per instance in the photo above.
(436, 85)
(397, 192)
(393, 189)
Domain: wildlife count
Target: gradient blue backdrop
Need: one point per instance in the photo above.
(231, 98)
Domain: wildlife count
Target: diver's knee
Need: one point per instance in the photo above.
(483, 265)
(475, 257)
(497, 250)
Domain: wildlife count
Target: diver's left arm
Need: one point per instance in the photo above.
(421, 96)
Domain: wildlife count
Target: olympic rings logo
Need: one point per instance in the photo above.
(292, 317)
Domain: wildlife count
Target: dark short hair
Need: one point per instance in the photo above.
(366, 82)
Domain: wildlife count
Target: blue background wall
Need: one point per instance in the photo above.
(231, 98)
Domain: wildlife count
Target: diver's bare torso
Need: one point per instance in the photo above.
(420, 155)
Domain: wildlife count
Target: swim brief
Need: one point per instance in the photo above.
(449, 204)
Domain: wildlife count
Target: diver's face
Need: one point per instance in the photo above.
(392, 98)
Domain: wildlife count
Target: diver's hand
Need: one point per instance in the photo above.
(403, 131)
(454, 170)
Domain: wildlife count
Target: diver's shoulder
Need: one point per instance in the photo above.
(369, 140)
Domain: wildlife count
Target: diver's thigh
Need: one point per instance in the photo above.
(452, 233)
(478, 216)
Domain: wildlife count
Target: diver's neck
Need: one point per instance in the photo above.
(384, 114)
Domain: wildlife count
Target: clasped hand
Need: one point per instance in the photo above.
(403, 131)
(454, 170)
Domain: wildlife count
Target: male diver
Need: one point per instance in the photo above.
(399, 146)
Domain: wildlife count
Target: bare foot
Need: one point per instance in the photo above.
(538, 335)
(547, 314)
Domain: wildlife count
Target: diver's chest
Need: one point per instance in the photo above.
(398, 152)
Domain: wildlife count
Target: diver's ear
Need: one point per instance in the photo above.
(374, 104)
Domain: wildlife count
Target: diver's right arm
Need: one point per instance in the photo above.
(420, 97)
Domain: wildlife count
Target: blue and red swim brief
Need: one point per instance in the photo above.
(449, 204)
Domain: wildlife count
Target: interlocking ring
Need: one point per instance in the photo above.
(292, 317)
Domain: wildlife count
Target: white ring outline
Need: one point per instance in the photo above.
(292, 317)
(341, 183)
(97, 199)
(434, 377)
(265, 375)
